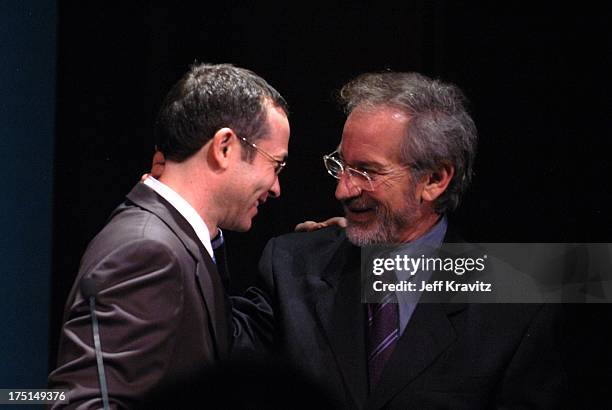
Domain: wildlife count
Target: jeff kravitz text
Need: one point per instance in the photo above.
(435, 286)
(412, 266)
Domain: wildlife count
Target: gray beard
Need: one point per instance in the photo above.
(389, 224)
(385, 229)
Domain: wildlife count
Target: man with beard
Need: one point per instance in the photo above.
(404, 161)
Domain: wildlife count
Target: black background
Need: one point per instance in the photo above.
(537, 79)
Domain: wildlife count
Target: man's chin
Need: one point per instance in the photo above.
(245, 226)
(242, 226)
(361, 234)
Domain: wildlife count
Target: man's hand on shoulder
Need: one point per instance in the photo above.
(157, 166)
(309, 226)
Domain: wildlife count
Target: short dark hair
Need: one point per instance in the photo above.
(208, 98)
(439, 131)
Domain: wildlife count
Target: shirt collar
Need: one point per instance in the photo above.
(425, 244)
(185, 209)
(435, 236)
(432, 240)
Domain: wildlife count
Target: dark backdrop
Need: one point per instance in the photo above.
(535, 77)
(27, 107)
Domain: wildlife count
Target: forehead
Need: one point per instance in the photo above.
(277, 140)
(373, 135)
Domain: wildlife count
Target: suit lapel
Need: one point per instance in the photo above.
(428, 334)
(207, 276)
(341, 314)
(212, 292)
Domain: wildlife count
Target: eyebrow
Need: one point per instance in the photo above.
(364, 164)
(369, 164)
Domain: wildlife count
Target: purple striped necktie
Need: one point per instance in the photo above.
(382, 335)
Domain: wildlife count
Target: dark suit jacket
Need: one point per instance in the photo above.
(467, 356)
(160, 306)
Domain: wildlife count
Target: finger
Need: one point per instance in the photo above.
(157, 167)
(306, 226)
(336, 220)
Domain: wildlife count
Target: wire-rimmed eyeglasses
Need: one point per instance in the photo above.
(336, 167)
(361, 179)
(279, 165)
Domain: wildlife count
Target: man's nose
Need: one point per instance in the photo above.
(345, 188)
(275, 189)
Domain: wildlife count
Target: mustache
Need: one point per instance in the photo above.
(359, 203)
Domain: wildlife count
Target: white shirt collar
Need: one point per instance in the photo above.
(185, 209)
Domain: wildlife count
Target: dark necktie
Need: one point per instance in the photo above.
(218, 245)
(382, 335)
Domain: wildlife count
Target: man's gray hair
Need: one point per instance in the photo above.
(440, 130)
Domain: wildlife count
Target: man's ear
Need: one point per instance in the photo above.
(223, 147)
(435, 183)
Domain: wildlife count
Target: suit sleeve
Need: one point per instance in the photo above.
(536, 377)
(253, 314)
(138, 306)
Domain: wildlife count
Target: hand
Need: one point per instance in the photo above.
(310, 226)
(157, 167)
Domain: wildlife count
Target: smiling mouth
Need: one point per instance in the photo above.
(360, 213)
(358, 210)
(358, 207)
(257, 203)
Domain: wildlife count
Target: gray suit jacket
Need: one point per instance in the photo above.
(160, 305)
